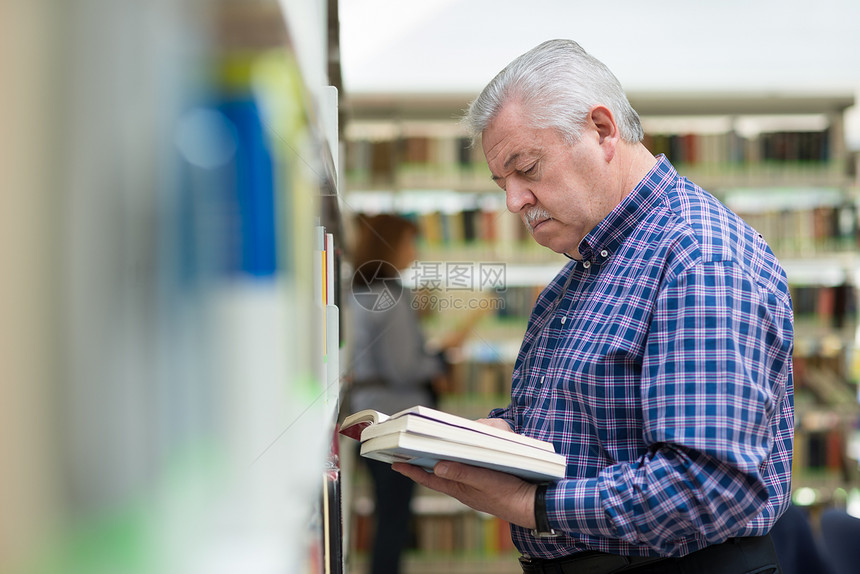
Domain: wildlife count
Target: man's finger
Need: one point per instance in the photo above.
(448, 476)
(463, 473)
(498, 423)
(431, 480)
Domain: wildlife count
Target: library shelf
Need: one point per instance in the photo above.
(185, 177)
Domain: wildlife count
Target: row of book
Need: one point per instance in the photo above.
(388, 159)
(466, 532)
(825, 379)
(825, 412)
(483, 379)
(381, 159)
(824, 305)
(819, 455)
(733, 148)
(800, 221)
(793, 223)
(461, 533)
(469, 225)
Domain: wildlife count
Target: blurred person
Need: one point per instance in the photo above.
(392, 367)
(658, 361)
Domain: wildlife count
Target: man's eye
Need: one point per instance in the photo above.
(531, 170)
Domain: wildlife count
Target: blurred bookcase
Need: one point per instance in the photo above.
(184, 162)
(779, 160)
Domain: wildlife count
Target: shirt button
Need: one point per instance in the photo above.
(563, 319)
(586, 264)
(604, 253)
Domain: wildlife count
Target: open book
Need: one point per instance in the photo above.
(423, 436)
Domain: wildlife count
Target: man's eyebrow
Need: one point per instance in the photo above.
(511, 160)
(507, 163)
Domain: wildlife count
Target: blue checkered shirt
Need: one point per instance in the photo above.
(660, 366)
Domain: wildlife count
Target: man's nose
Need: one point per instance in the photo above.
(518, 196)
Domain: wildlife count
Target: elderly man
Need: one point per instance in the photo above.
(658, 361)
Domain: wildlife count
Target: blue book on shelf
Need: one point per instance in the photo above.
(255, 191)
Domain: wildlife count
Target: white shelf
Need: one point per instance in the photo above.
(824, 271)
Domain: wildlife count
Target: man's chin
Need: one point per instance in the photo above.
(554, 245)
(551, 239)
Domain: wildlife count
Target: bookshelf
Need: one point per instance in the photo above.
(180, 380)
(778, 159)
(406, 141)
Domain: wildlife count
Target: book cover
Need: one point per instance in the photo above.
(354, 424)
(426, 451)
(418, 425)
(424, 436)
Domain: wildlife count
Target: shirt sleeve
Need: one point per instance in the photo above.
(713, 377)
(505, 414)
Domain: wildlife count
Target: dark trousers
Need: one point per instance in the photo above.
(393, 493)
(736, 556)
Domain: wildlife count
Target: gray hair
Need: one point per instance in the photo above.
(557, 83)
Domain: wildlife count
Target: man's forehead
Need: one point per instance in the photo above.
(507, 153)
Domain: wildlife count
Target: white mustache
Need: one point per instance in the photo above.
(535, 214)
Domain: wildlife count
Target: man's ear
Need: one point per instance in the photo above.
(607, 129)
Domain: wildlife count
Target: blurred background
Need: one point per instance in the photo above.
(755, 101)
(179, 181)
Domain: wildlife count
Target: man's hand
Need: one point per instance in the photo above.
(497, 493)
(498, 423)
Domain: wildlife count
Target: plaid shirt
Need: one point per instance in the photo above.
(660, 366)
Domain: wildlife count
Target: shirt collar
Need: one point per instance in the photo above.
(605, 238)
